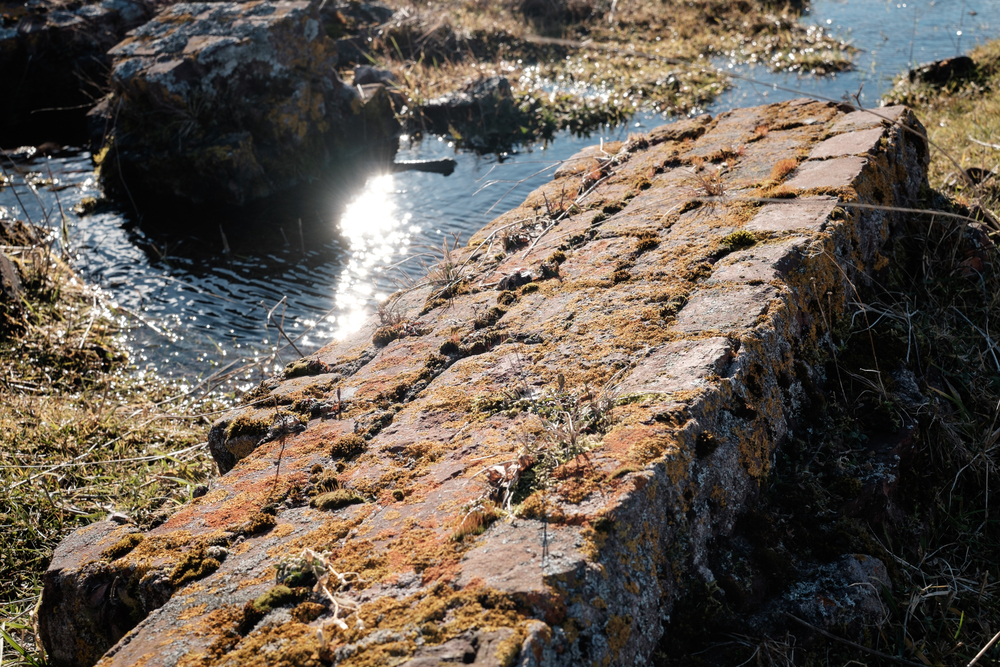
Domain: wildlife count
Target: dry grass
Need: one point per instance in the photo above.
(963, 120)
(81, 435)
(648, 56)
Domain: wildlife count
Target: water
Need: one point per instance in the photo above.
(191, 306)
(891, 36)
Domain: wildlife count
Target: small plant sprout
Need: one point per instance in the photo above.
(503, 477)
(568, 426)
(311, 565)
(478, 517)
(388, 312)
(447, 270)
(707, 181)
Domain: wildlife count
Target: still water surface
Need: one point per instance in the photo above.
(202, 308)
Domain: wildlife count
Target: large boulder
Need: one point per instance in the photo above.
(230, 102)
(533, 475)
(53, 62)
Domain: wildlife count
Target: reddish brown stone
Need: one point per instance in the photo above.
(696, 346)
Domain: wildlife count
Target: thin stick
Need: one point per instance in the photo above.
(64, 229)
(225, 241)
(984, 650)
(848, 642)
(135, 459)
(982, 143)
(281, 328)
(93, 317)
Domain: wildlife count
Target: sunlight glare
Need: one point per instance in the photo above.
(378, 235)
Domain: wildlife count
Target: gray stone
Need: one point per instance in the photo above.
(808, 214)
(762, 263)
(679, 366)
(861, 142)
(835, 173)
(231, 102)
(863, 120)
(725, 309)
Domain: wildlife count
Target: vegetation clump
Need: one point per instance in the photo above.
(334, 500)
(476, 520)
(193, 565)
(489, 318)
(304, 367)
(81, 430)
(347, 446)
(646, 56)
(739, 240)
(962, 117)
(122, 547)
(258, 523)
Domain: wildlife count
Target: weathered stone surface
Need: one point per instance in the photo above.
(849, 143)
(53, 56)
(231, 102)
(725, 310)
(808, 214)
(639, 303)
(762, 263)
(827, 174)
(845, 595)
(682, 365)
(863, 120)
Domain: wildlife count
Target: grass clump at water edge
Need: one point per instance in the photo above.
(962, 117)
(82, 435)
(638, 56)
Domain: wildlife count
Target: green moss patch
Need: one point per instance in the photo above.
(122, 546)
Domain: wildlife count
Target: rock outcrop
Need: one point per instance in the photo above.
(230, 102)
(528, 460)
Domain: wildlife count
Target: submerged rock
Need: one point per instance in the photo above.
(230, 102)
(53, 56)
(483, 111)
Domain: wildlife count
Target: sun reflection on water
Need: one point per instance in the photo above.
(378, 235)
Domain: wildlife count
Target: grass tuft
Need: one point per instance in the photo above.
(82, 434)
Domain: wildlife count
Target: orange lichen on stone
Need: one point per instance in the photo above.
(645, 310)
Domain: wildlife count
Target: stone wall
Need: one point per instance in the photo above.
(624, 352)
